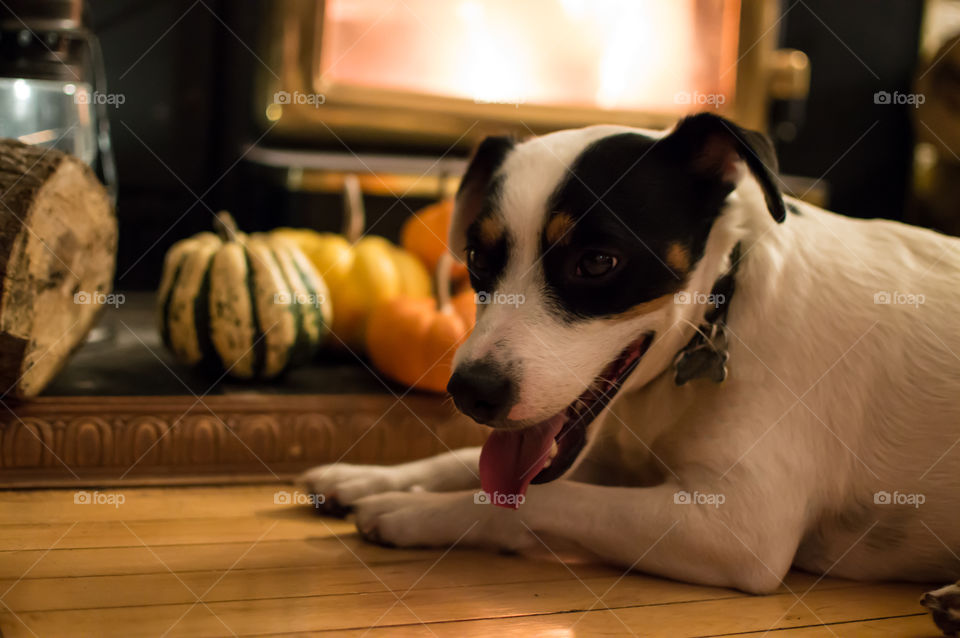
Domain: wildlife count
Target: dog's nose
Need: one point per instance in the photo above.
(481, 391)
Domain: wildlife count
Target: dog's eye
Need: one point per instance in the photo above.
(596, 264)
(477, 262)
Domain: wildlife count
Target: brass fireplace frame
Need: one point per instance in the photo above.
(290, 46)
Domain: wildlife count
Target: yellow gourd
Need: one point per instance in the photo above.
(360, 272)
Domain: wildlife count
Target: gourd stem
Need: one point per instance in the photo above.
(354, 218)
(225, 226)
(444, 266)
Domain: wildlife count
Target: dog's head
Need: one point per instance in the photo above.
(578, 244)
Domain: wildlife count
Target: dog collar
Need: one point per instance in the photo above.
(705, 356)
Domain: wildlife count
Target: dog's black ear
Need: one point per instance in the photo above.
(711, 144)
(475, 186)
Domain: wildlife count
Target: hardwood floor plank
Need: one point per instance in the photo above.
(713, 618)
(320, 553)
(241, 573)
(227, 529)
(917, 626)
(456, 570)
(564, 626)
(166, 503)
(505, 603)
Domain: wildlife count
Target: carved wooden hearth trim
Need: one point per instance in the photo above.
(176, 439)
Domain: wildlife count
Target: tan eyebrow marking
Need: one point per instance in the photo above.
(491, 230)
(558, 229)
(678, 258)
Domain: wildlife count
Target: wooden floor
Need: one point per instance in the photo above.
(221, 561)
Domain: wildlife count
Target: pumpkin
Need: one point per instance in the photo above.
(251, 305)
(413, 340)
(361, 272)
(425, 233)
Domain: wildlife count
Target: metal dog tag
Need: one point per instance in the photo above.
(701, 362)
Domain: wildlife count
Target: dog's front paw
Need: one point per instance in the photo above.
(342, 484)
(422, 519)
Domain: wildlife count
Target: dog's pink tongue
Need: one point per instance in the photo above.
(511, 459)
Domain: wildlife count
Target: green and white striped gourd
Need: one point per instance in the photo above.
(251, 305)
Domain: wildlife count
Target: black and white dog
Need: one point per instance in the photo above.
(687, 372)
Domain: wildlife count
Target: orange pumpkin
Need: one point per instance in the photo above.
(425, 235)
(412, 340)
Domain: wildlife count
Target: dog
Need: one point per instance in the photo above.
(697, 378)
(944, 606)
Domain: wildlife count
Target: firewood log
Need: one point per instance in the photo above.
(58, 244)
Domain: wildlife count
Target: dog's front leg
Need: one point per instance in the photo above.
(739, 538)
(342, 484)
(725, 540)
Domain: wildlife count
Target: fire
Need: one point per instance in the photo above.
(610, 54)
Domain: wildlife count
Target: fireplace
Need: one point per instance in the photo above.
(430, 77)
